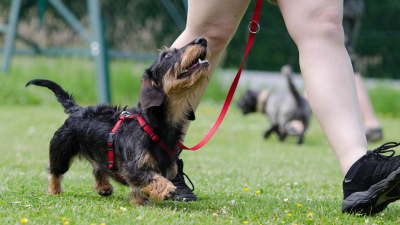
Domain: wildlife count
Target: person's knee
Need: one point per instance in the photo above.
(217, 34)
(323, 23)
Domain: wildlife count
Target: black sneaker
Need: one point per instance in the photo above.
(374, 134)
(372, 182)
(183, 192)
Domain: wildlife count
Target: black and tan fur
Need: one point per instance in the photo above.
(167, 87)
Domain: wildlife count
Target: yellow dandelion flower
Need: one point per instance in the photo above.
(102, 224)
(257, 192)
(66, 222)
(24, 220)
(310, 214)
(283, 221)
(309, 218)
(299, 204)
(289, 214)
(246, 189)
(246, 222)
(63, 218)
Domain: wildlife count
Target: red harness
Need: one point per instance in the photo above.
(155, 138)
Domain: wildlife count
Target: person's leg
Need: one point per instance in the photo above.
(367, 110)
(372, 180)
(316, 28)
(216, 21)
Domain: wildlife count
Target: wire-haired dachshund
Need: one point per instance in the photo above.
(167, 86)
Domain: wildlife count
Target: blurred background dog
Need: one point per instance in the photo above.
(280, 107)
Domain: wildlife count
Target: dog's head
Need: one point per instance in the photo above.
(248, 102)
(174, 78)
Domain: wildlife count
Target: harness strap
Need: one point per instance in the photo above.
(253, 30)
(155, 138)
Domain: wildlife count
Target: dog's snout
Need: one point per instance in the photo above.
(201, 41)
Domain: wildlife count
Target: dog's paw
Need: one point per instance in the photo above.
(159, 189)
(169, 191)
(106, 192)
(54, 192)
(103, 187)
(170, 194)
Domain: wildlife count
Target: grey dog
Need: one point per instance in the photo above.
(280, 107)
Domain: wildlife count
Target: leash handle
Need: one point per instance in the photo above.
(253, 30)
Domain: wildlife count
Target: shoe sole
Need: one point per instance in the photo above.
(376, 198)
(180, 199)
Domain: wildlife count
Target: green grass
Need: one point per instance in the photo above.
(236, 158)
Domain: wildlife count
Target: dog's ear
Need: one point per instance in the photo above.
(150, 95)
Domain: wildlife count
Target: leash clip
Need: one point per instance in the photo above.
(126, 114)
(253, 32)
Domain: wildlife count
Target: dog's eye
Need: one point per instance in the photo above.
(167, 56)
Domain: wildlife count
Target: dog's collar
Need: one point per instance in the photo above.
(155, 138)
(261, 100)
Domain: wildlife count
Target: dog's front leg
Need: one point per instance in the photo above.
(155, 187)
(159, 188)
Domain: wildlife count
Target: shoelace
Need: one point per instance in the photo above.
(183, 180)
(384, 149)
(378, 152)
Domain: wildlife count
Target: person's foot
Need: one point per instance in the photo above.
(374, 134)
(372, 182)
(183, 192)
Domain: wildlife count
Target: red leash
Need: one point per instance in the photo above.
(253, 30)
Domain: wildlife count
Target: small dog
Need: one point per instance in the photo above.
(280, 108)
(167, 86)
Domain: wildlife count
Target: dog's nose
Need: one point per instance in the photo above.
(201, 41)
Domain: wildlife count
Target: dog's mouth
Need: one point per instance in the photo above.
(196, 63)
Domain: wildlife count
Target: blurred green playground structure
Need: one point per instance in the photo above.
(95, 38)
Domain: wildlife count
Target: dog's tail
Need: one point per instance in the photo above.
(66, 100)
(288, 72)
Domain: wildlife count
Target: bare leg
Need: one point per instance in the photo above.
(217, 21)
(367, 110)
(316, 27)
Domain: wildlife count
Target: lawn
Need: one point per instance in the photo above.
(239, 177)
